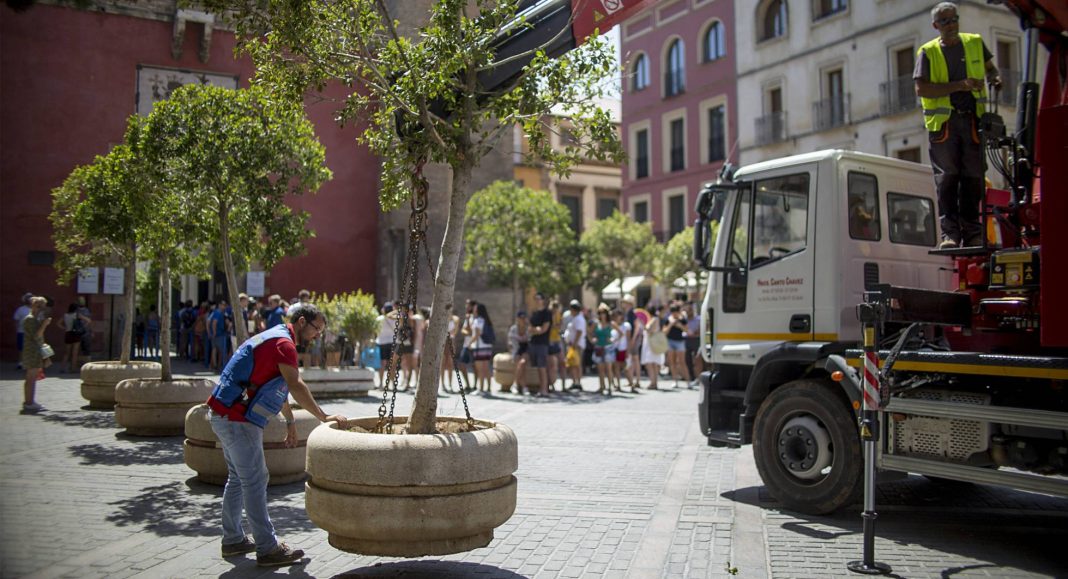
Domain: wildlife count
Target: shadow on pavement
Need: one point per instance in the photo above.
(166, 450)
(170, 509)
(421, 569)
(1002, 529)
(84, 418)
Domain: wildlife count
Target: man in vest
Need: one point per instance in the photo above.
(253, 388)
(949, 81)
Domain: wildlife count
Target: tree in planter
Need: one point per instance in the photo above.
(519, 237)
(238, 154)
(615, 247)
(95, 216)
(429, 89)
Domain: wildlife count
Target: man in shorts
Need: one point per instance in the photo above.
(575, 337)
(538, 348)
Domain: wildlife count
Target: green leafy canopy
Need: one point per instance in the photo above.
(616, 247)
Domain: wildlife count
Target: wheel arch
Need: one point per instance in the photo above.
(793, 361)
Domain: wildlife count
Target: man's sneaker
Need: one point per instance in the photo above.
(574, 386)
(32, 408)
(948, 243)
(281, 555)
(245, 546)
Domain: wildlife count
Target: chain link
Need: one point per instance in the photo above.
(417, 227)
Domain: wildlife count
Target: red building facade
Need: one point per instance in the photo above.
(68, 82)
(678, 121)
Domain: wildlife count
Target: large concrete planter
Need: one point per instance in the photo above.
(204, 455)
(410, 495)
(100, 378)
(504, 373)
(152, 407)
(338, 382)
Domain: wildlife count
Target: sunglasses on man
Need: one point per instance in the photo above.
(947, 21)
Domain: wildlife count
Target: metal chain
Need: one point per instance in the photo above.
(417, 227)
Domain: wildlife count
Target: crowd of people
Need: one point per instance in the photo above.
(617, 344)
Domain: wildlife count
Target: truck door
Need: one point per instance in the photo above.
(767, 294)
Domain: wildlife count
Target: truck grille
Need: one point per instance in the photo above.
(949, 439)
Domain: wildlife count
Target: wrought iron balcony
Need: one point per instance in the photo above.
(771, 128)
(898, 96)
(830, 113)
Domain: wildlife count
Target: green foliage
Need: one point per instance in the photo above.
(352, 315)
(233, 156)
(616, 247)
(429, 86)
(96, 212)
(676, 259)
(522, 237)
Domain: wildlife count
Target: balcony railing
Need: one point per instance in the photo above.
(1010, 87)
(897, 96)
(830, 113)
(771, 128)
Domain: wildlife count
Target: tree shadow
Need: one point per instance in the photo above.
(427, 569)
(1002, 529)
(171, 509)
(154, 451)
(83, 418)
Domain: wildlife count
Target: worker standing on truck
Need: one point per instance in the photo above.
(949, 81)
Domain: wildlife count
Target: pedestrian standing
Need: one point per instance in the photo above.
(518, 344)
(466, 359)
(20, 316)
(575, 340)
(448, 354)
(623, 327)
(33, 359)
(247, 396)
(650, 360)
(200, 333)
(73, 325)
(694, 361)
(152, 326)
(482, 345)
(540, 345)
(276, 312)
(556, 345)
(675, 327)
(949, 76)
(387, 326)
(603, 353)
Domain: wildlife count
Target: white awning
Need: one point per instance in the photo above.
(613, 291)
(687, 282)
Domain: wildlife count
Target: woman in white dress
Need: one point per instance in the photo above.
(651, 361)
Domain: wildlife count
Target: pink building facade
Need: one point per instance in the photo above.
(678, 123)
(70, 77)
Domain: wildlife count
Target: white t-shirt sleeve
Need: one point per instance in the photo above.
(578, 324)
(476, 328)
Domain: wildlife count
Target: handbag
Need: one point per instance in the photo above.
(658, 343)
(572, 358)
(46, 355)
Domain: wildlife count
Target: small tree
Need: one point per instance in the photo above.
(426, 103)
(615, 247)
(95, 216)
(519, 237)
(237, 154)
(353, 316)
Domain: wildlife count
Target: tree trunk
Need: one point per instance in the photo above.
(515, 291)
(165, 317)
(130, 289)
(425, 405)
(231, 278)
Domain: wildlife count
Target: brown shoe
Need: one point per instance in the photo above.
(245, 546)
(281, 555)
(948, 243)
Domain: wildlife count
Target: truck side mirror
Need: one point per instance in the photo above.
(702, 230)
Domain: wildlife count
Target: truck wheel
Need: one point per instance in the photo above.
(807, 447)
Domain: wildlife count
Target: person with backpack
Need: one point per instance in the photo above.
(253, 388)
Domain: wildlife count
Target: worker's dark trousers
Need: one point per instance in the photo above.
(957, 161)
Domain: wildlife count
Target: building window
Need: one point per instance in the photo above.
(825, 8)
(675, 69)
(771, 128)
(715, 42)
(676, 215)
(909, 154)
(606, 206)
(640, 74)
(717, 134)
(831, 111)
(773, 20)
(899, 93)
(641, 161)
(678, 145)
(574, 206)
(641, 212)
(1008, 68)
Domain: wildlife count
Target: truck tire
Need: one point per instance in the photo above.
(807, 447)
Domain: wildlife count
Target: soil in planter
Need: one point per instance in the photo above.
(441, 427)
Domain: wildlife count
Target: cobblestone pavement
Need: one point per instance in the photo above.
(608, 487)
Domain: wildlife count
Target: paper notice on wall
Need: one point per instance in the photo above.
(89, 280)
(113, 280)
(254, 284)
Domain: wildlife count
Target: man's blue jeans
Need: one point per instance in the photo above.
(246, 483)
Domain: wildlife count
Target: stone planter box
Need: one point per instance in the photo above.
(100, 378)
(410, 495)
(504, 373)
(338, 382)
(152, 407)
(204, 455)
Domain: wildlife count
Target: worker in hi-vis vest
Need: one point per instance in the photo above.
(949, 81)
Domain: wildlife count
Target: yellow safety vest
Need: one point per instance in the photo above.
(936, 111)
